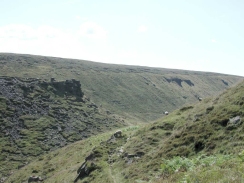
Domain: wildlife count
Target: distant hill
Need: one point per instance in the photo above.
(138, 93)
(196, 143)
(47, 103)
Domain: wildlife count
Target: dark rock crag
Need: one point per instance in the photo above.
(37, 116)
(179, 81)
(106, 150)
(110, 150)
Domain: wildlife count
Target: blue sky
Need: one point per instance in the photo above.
(203, 35)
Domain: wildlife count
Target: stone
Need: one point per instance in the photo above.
(118, 134)
(234, 123)
(235, 120)
(85, 169)
(34, 179)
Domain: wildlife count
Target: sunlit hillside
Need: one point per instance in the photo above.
(201, 142)
(138, 93)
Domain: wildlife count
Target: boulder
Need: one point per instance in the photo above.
(235, 120)
(118, 134)
(234, 123)
(35, 179)
(85, 169)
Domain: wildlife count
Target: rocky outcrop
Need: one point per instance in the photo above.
(85, 169)
(117, 134)
(107, 149)
(179, 81)
(65, 88)
(37, 116)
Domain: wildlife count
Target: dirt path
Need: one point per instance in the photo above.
(111, 174)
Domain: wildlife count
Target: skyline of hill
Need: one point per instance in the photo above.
(137, 93)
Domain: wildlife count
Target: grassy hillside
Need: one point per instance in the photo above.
(196, 143)
(206, 129)
(37, 116)
(138, 93)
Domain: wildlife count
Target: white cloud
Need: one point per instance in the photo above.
(213, 40)
(142, 28)
(70, 1)
(50, 41)
(43, 40)
(77, 17)
(92, 30)
(17, 31)
(25, 32)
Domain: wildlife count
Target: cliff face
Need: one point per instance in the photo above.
(65, 88)
(38, 116)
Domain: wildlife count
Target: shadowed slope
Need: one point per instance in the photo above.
(38, 116)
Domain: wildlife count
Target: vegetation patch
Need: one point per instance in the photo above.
(138, 93)
(35, 120)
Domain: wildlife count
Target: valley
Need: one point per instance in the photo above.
(59, 117)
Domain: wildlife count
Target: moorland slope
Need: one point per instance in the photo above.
(138, 93)
(37, 116)
(196, 143)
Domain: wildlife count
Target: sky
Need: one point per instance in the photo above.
(201, 35)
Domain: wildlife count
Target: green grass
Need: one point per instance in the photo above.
(138, 93)
(188, 145)
(203, 168)
(181, 135)
(61, 165)
(32, 133)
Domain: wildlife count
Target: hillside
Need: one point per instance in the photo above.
(38, 116)
(196, 143)
(138, 93)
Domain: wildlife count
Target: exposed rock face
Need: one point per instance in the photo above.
(37, 116)
(106, 150)
(226, 83)
(179, 81)
(86, 168)
(65, 88)
(27, 98)
(13, 93)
